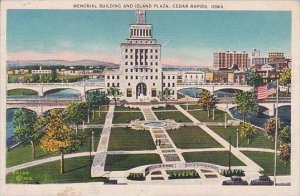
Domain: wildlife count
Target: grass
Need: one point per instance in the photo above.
(266, 161)
(259, 140)
(69, 78)
(123, 162)
(176, 115)
(192, 137)
(125, 118)
(77, 170)
(191, 107)
(97, 119)
(129, 139)
(214, 157)
(201, 115)
(21, 91)
(122, 108)
(22, 153)
(169, 107)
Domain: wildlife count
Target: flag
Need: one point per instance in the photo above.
(264, 91)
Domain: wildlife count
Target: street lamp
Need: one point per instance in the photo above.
(237, 137)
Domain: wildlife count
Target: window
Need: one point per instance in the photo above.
(156, 77)
(118, 84)
(126, 50)
(131, 77)
(126, 77)
(113, 84)
(164, 77)
(156, 51)
(146, 77)
(156, 57)
(153, 84)
(131, 50)
(113, 77)
(173, 77)
(156, 70)
(118, 77)
(126, 56)
(173, 84)
(131, 56)
(136, 77)
(169, 77)
(164, 84)
(131, 70)
(131, 63)
(129, 92)
(108, 85)
(128, 84)
(153, 93)
(126, 70)
(151, 70)
(126, 63)
(169, 85)
(151, 77)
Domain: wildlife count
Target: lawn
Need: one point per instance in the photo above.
(259, 140)
(22, 154)
(87, 139)
(129, 139)
(97, 119)
(169, 107)
(69, 78)
(21, 91)
(201, 115)
(266, 161)
(122, 108)
(175, 115)
(191, 107)
(192, 137)
(123, 162)
(77, 170)
(126, 117)
(214, 157)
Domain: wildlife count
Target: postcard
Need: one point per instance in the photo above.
(149, 98)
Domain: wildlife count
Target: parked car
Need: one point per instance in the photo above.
(235, 180)
(262, 180)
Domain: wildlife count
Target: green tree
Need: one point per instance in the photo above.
(115, 93)
(253, 78)
(24, 129)
(246, 103)
(270, 127)
(247, 131)
(59, 137)
(166, 95)
(35, 78)
(285, 78)
(97, 98)
(53, 76)
(207, 101)
(285, 153)
(75, 113)
(285, 135)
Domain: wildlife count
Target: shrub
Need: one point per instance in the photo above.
(136, 176)
(235, 172)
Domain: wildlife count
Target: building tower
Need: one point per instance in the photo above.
(140, 66)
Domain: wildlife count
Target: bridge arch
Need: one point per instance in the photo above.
(57, 90)
(22, 108)
(22, 91)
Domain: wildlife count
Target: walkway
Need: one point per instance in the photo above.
(100, 157)
(46, 160)
(251, 165)
(164, 144)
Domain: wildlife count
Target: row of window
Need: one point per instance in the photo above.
(113, 77)
(141, 63)
(141, 56)
(129, 84)
(146, 50)
(113, 85)
(169, 77)
(141, 70)
(169, 84)
(153, 92)
(146, 77)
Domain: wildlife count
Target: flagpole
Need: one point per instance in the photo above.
(276, 132)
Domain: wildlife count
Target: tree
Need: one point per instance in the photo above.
(97, 98)
(285, 78)
(114, 92)
(246, 103)
(285, 153)
(59, 137)
(24, 129)
(253, 78)
(270, 127)
(285, 135)
(35, 78)
(207, 101)
(75, 113)
(53, 76)
(247, 131)
(165, 95)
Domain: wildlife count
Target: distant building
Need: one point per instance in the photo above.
(41, 71)
(229, 59)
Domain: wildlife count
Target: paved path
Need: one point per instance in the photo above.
(46, 160)
(251, 165)
(100, 157)
(167, 149)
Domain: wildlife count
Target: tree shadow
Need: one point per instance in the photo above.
(77, 168)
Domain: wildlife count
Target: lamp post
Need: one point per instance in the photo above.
(225, 120)
(213, 114)
(237, 137)
(93, 141)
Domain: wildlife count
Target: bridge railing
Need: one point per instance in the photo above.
(100, 84)
(210, 84)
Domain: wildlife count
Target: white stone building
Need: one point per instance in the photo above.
(140, 76)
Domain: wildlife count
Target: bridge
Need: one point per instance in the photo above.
(214, 87)
(39, 106)
(42, 88)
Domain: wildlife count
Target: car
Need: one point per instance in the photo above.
(262, 180)
(235, 180)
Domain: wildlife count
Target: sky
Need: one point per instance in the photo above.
(187, 37)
